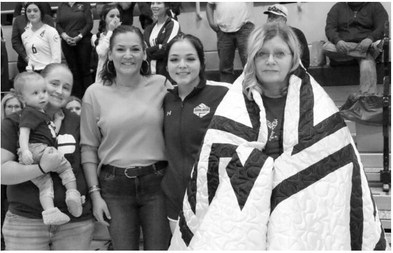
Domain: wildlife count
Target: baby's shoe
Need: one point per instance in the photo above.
(53, 216)
(74, 202)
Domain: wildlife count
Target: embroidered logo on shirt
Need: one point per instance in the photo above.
(52, 128)
(168, 113)
(55, 38)
(43, 33)
(201, 110)
(272, 126)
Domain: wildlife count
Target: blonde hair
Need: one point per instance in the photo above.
(255, 42)
(5, 100)
(22, 79)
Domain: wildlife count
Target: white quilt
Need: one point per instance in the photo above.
(315, 196)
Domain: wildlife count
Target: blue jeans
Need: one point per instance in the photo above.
(134, 203)
(21, 233)
(226, 46)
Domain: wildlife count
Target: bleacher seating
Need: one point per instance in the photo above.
(369, 141)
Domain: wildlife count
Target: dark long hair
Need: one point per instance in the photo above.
(42, 14)
(102, 25)
(108, 73)
(196, 43)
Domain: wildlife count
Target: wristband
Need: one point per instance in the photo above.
(39, 166)
(94, 188)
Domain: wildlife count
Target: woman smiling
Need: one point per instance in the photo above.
(41, 41)
(123, 151)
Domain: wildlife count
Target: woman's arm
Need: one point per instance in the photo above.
(16, 38)
(157, 52)
(103, 44)
(59, 26)
(100, 209)
(55, 46)
(89, 20)
(13, 172)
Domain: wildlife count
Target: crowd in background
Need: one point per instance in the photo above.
(130, 108)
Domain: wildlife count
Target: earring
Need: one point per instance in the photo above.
(145, 68)
(108, 67)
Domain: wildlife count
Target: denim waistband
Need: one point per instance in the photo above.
(137, 171)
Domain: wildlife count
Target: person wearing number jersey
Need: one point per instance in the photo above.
(41, 41)
(18, 28)
(188, 110)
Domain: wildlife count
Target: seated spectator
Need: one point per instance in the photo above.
(18, 27)
(41, 41)
(109, 20)
(354, 31)
(74, 104)
(158, 34)
(279, 13)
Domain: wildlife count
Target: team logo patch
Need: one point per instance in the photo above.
(42, 33)
(56, 38)
(201, 110)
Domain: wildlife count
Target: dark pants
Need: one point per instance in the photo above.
(134, 203)
(5, 85)
(78, 60)
(226, 46)
(21, 64)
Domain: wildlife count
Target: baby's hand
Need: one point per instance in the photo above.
(27, 157)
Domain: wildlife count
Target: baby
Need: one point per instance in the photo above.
(38, 132)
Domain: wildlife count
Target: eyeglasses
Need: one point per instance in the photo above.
(13, 106)
(277, 55)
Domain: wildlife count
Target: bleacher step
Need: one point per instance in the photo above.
(373, 160)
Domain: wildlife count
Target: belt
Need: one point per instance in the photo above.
(137, 171)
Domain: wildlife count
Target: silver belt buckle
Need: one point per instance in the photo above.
(127, 176)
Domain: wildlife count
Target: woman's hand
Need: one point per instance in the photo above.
(172, 225)
(100, 209)
(68, 39)
(50, 160)
(114, 24)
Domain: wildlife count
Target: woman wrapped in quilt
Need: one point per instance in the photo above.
(278, 169)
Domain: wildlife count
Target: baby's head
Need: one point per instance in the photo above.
(30, 87)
